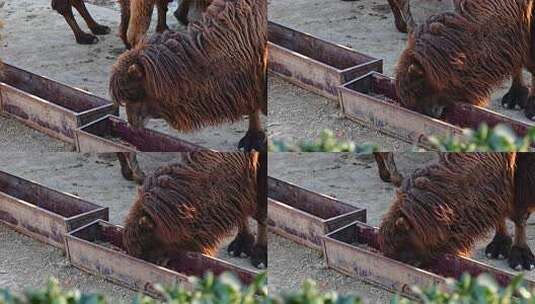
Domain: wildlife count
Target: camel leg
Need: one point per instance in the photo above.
(500, 246)
(162, 16)
(529, 108)
(64, 7)
(130, 167)
(259, 254)
(399, 21)
(407, 15)
(387, 168)
(242, 245)
(140, 16)
(521, 256)
(181, 13)
(402, 15)
(518, 94)
(255, 138)
(125, 20)
(95, 28)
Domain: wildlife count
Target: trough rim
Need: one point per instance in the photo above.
(329, 239)
(344, 92)
(304, 189)
(122, 148)
(71, 235)
(55, 105)
(370, 59)
(97, 208)
(344, 89)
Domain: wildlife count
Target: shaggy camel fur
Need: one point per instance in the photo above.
(444, 208)
(463, 56)
(214, 73)
(195, 205)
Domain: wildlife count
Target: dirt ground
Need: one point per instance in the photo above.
(368, 27)
(93, 177)
(355, 180)
(38, 39)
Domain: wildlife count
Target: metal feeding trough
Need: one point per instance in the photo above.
(372, 100)
(305, 216)
(48, 106)
(42, 213)
(98, 249)
(354, 251)
(112, 134)
(315, 64)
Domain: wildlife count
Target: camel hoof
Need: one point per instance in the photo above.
(86, 39)
(499, 247)
(242, 245)
(101, 30)
(521, 258)
(529, 109)
(254, 140)
(259, 257)
(516, 96)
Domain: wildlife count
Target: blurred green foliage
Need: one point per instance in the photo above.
(498, 139)
(327, 142)
(226, 289)
(480, 290)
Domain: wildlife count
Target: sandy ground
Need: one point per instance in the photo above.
(353, 179)
(368, 27)
(95, 178)
(38, 39)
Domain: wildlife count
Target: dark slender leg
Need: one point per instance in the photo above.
(95, 28)
(243, 244)
(405, 7)
(399, 21)
(130, 167)
(387, 168)
(529, 109)
(521, 256)
(181, 13)
(162, 16)
(500, 246)
(518, 93)
(259, 254)
(64, 7)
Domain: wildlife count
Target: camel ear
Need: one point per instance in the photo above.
(402, 224)
(146, 223)
(135, 71)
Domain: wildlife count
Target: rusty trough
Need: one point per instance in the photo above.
(313, 63)
(42, 213)
(305, 216)
(47, 105)
(372, 100)
(98, 249)
(112, 134)
(354, 250)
